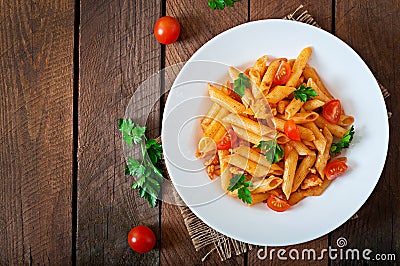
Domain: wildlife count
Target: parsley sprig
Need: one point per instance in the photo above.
(220, 4)
(240, 84)
(239, 182)
(304, 93)
(343, 143)
(149, 177)
(273, 151)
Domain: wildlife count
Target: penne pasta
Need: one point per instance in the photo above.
(212, 112)
(225, 101)
(220, 133)
(281, 106)
(300, 148)
(226, 175)
(306, 117)
(310, 72)
(248, 124)
(215, 125)
(289, 172)
(320, 141)
(258, 197)
(269, 75)
(249, 166)
(336, 130)
(313, 104)
(261, 65)
(317, 190)
(251, 154)
(281, 138)
(293, 107)
(205, 147)
(310, 144)
(323, 158)
(303, 170)
(345, 120)
(320, 94)
(266, 184)
(295, 197)
(275, 169)
(279, 93)
(249, 136)
(299, 66)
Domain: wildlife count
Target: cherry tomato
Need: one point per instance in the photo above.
(335, 169)
(291, 130)
(283, 74)
(331, 111)
(227, 141)
(167, 29)
(277, 204)
(141, 239)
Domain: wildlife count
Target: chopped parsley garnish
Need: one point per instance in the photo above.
(273, 151)
(240, 84)
(304, 93)
(343, 143)
(238, 182)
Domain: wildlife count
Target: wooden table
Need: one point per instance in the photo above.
(68, 70)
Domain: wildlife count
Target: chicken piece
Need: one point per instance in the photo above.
(311, 180)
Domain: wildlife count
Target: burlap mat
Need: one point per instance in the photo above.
(204, 237)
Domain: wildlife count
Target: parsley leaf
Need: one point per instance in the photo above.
(131, 133)
(304, 93)
(240, 84)
(138, 133)
(154, 150)
(238, 182)
(149, 177)
(220, 4)
(343, 143)
(273, 151)
(134, 168)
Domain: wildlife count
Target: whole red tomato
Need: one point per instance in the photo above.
(141, 239)
(167, 29)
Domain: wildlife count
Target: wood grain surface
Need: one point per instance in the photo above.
(117, 53)
(36, 88)
(36, 93)
(64, 198)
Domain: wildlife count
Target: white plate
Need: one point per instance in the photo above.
(345, 75)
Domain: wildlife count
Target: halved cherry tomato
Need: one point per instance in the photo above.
(283, 74)
(227, 141)
(331, 111)
(141, 239)
(335, 169)
(291, 130)
(167, 29)
(277, 204)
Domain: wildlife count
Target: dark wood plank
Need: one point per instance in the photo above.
(322, 13)
(373, 30)
(117, 53)
(198, 25)
(36, 91)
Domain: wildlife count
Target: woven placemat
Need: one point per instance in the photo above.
(202, 236)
